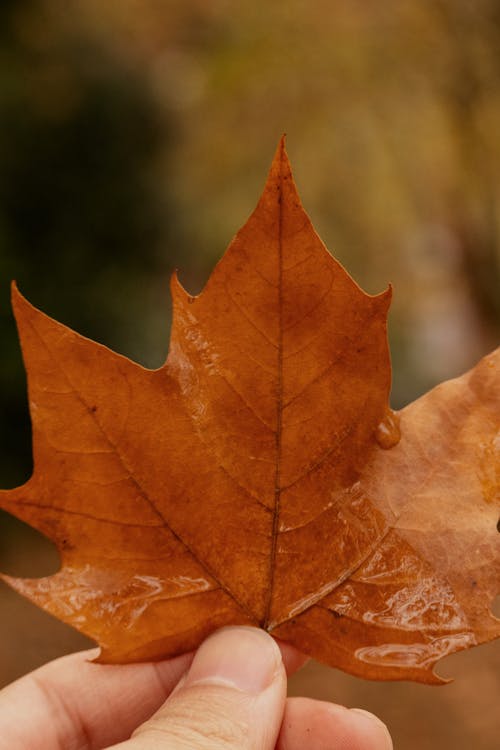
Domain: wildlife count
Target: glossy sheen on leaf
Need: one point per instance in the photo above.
(259, 475)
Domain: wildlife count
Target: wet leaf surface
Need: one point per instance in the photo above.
(260, 476)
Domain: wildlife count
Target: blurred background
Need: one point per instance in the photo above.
(135, 137)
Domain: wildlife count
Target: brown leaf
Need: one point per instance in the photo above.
(259, 476)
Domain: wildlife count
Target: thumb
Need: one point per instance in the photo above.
(233, 696)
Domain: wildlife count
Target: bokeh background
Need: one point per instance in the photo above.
(135, 136)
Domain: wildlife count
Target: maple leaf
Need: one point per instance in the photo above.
(259, 476)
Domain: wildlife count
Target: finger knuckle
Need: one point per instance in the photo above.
(206, 722)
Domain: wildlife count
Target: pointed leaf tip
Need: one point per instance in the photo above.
(17, 299)
(14, 291)
(177, 289)
(280, 165)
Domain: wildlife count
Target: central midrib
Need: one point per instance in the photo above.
(279, 412)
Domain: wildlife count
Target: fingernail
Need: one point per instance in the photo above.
(374, 721)
(244, 658)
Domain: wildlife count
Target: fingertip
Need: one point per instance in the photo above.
(311, 723)
(293, 660)
(246, 658)
(372, 729)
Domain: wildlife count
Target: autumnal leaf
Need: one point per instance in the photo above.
(259, 476)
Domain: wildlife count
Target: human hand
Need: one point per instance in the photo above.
(230, 695)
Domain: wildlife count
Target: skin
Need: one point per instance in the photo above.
(230, 694)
